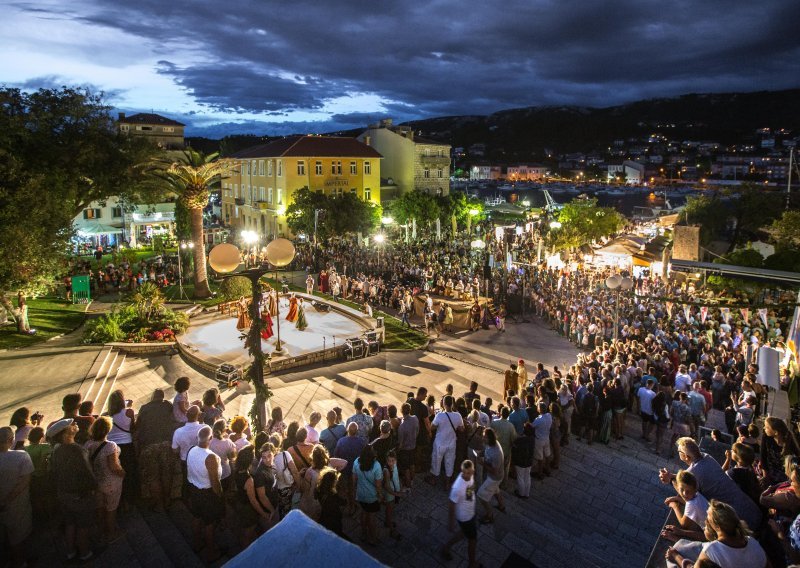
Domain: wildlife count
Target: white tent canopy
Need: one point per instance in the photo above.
(299, 541)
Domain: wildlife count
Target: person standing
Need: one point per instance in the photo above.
(511, 381)
(331, 435)
(309, 285)
(445, 428)
(541, 449)
(75, 485)
(646, 396)
(522, 458)
(16, 514)
(185, 437)
(153, 435)
(505, 433)
(204, 471)
(362, 420)
(368, 488)
(123, 421)
(492, 461)
(104, 457)
(407, 434)
(462, 510)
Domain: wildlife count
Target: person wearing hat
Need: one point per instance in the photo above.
(75, 484)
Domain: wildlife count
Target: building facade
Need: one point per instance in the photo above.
(256, 197)
(160, 130)
(410, 161)
(526, 172)
(115, 222)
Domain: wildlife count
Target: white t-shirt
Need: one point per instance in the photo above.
(462, 494)
(241, 442)
(683, 382)
(313, 435)
(696, 510)
(445, 433)
(751, 556)
(185, 437)
(196, 470)
(646, 397)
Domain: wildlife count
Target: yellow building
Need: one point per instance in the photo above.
(257, 196)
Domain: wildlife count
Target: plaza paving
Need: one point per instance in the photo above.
(603, 507)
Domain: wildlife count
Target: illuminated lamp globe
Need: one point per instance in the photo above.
(613, 282)
(626, 283)
(224, 258)
(280, 252)
(478, 244)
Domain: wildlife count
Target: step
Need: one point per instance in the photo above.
(95, 372)
(174, 543)
(102, 380)
(109, 385)
(147, 548)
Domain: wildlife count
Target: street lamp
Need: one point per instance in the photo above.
(617, 283)
(183, 245)
(478, 245)
(224, 259)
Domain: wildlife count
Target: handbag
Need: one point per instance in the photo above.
(286, 473)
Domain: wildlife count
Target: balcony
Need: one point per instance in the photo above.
(262, 205)
(238, 200)
(435, 160)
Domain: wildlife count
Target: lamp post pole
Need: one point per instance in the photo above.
(182, 245)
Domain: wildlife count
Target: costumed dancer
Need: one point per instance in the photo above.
(273, 303)
(292, 314)
(244, 318)
(487, 318)
(475, 316)
(266, 325)
(310, 285)
(301, 317)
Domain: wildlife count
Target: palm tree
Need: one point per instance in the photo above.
(190, 179)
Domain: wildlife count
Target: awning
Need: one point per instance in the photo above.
(99, 229)
(732, 271)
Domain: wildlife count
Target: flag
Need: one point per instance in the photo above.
(762, 313)
(687, 311)
(669, 309)
(745, 314)
(793, 342)
(725, 313)
(703, 314)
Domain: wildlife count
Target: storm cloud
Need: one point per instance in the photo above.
(444, 57)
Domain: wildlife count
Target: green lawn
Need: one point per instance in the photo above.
(49, 316)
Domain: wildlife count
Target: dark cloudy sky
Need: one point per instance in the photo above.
(268, 67)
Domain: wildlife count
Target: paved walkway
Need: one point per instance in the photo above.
(603, 507)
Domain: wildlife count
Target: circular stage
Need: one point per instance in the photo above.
(214, 339)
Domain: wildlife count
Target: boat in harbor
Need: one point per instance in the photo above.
(494, 201)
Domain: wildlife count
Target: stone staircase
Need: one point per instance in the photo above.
(102, 378)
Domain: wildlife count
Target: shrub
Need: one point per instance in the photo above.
(235, 287)
(104, 329)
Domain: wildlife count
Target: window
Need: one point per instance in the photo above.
(339, 192)
(261, 167)
(269, 195)
(269, 167)
(247, 169)
(426, 152)
(318, 168)
(280, 168)
(116, 212)
(354, 191)
(254, 168)
(353, 168)
(440, 173)
(280, 195)
(426, 173)
(336, 167)
(367, 168)
(301, 167)
(367, 194)
(91, 214)
(261, 193)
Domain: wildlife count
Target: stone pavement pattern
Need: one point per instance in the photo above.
(603, 507)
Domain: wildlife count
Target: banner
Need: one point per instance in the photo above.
(762, 313)
(725, 313)
(703, 314)
(745, 314)
(669, 308)
(687, 311)
(793, 342)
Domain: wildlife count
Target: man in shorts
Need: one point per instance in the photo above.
(492, 462)
(541, 444)
(462, 509)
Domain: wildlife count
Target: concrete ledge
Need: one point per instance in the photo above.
(139, 348)
(348, 312)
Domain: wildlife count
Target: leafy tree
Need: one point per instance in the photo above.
(191, 179)
(456, 208)
(583, 221)
(784, 259)
(753, 209)
(349, 214)
(415, 205)
(300, 214)
(707, 212)
(786, 229)
(742, 257)
(59, 151)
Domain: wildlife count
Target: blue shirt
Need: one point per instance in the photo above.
(366, 492)
(329, 437)
(518, 418)
(349, 448)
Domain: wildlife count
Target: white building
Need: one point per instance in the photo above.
(634, 172)
(116, 222)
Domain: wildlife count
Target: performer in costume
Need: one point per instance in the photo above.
(475, 316)
(487, 318)
(301, 317)
(309, 284)
(273, 303)
(292, 314)
(266, 327)
(244, 318)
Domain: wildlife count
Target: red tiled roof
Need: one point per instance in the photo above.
(150, 118)
(310, 146)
